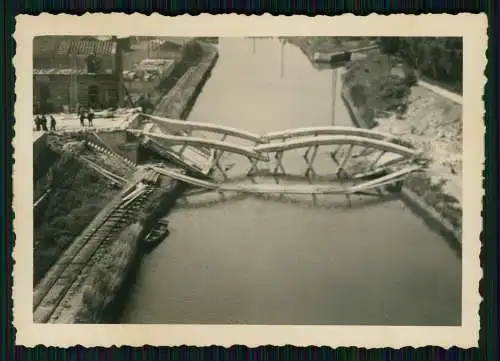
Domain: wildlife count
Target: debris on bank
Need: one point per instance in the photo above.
(386, 97)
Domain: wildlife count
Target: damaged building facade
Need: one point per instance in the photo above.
(71, 71)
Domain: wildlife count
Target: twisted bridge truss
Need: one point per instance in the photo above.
(360, 159)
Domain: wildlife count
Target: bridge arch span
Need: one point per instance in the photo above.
(336, 140)
(206, 143)
(178, 126)
(288, 134)
(217, 147)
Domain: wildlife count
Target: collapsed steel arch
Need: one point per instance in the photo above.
(311, 138)
(187, 127)
(290, 189)
(326, 130)
(219, 148)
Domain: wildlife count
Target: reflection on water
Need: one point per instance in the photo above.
(275, 259)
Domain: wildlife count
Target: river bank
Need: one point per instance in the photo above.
(91, 296)
(387, 96)
(67, 197)
(427, 121)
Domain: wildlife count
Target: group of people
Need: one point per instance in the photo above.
(89, 115)
(41, 123)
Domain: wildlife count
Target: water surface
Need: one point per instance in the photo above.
(291, 260)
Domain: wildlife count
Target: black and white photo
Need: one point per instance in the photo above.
(263, 179)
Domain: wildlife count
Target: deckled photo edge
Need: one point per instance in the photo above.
(472, 27)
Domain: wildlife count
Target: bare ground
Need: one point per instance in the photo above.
(433, 124)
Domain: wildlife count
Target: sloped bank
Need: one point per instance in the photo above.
(67, 198)
(109, 281)
(106, 290)
(425, 199)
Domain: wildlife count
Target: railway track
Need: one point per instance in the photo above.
(101, 146)
(64, 280)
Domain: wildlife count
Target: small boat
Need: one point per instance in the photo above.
(159, 232)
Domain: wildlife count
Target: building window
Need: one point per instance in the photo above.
(93, 64)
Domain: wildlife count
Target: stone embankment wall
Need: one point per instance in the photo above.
(356, 118)
(180, 99)
(106, 282)
(416, 202)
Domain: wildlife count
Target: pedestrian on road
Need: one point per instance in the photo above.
(82, 118)
(44, 123)
(90, 117)
(52, 123)
(38, 125)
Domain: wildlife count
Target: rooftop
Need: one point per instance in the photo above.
(66, 45)
(67, 71)
(176, 40)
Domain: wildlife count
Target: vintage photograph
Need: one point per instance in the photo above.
(260, 180)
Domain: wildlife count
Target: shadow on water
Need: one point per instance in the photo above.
(335, 202)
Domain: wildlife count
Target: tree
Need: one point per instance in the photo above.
(389, 45)
(437, 58)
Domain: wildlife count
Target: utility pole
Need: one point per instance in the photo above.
(335, 75)
(282, 59)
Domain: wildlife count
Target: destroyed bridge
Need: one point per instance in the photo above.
(330, 160)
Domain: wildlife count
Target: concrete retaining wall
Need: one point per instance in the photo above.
(178, 102)
(354, 112)
(39, 145)
(416, 203)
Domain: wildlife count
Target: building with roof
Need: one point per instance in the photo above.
(76, 70)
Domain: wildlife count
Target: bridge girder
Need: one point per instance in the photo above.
(178, 126)
(311, 138)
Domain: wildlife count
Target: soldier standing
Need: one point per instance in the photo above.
(82, 118)
(44, 123)
(52, 123)
(90, 117)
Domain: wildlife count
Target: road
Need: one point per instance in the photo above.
(443, 92)
(291, 260)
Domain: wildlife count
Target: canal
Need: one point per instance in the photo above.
(283, 260)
